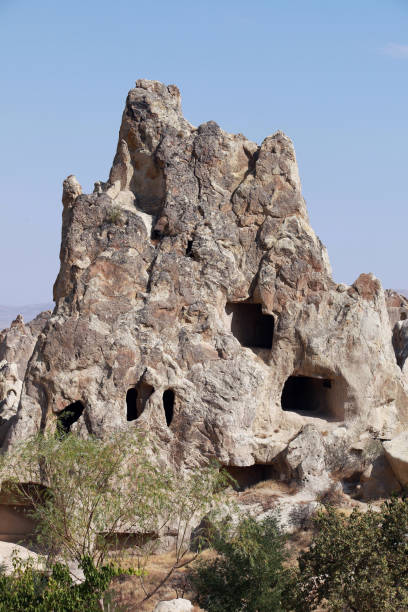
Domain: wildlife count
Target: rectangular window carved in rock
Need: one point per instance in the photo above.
(314, 396)
(250, 326)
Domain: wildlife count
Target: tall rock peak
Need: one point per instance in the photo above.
(194, 300)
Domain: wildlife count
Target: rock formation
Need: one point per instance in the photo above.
(397, 305)
(396, 451)
(174, 605)
(16, 347)
(194, 300)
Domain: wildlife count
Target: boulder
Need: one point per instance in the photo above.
(378, 480)
(396, 451)
(305, 458)
(8, 551)
(174, 605)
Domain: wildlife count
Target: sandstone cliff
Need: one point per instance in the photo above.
(194, 300)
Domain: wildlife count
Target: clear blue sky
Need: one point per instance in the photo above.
(332, 75)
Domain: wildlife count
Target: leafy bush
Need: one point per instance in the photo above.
(357, 562)
(96, 494)
(29, 590)
(247, 573)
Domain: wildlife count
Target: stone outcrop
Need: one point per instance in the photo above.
(9, 551)
(400, 342)
(174, 605)
(397, 305)
(396, 451)
(16, 347)
(194, 300)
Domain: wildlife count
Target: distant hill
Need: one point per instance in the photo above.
(29, 312)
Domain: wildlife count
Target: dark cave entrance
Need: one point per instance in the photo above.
(250, 475)
(67, 417)
(136, 398)
(314, 396)
(168, 405)
(131, 404)
(189, 248)
(250, 326)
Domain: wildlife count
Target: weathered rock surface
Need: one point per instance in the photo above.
(305, 456)
(194, 300)
(174, 605)
(396, 451)
(400, 342)
(16, 347)
(397, 306)
(9, 551)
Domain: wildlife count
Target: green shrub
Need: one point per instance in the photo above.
(95, 490)
(357, 562)
(29, 590)
(247, 573)
(114, 216)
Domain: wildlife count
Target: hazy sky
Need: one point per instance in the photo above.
(332, 75)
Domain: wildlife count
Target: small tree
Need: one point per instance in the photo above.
(247, 573)
(95, 490)
(357, 562)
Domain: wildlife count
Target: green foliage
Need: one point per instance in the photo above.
(28, 589)
(357, 562)
(63, 423)
(114, 216)
(94, 490)
(247, 573)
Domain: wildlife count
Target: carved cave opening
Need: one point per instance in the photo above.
(136, 398)
(189, 248)
(17, 524)
(250, 475)
(67, 417)
(168, 405)
(314, 396)
(131, 404)
(156, 234)
(250, 326)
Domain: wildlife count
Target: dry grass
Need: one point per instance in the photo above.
(277, 487)
(333, 497)
(128, 590)
(267, 493)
